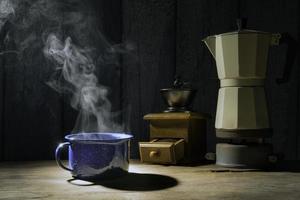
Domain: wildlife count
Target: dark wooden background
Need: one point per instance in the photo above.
(167, 38)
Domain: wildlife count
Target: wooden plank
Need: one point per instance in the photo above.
(32, 122)
(33, 118)
(298, 84)
(196, 20)
(110, 25)
(2, 92)
(283, 17)
(32, 112)
(104, 29)
(1, 107)
(150, 26)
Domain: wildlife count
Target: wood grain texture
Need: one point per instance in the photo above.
(36, 117)
(110, 25)
(195, 21)
(165, 39)
(105, 30)
(45, 180)
(150, 27)
(32, 110)
(297, 71)
(1, 107)
(2, 92)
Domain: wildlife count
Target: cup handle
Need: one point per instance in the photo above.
(58, 153)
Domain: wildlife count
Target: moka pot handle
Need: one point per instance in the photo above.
(287, 39)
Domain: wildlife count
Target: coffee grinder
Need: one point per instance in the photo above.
(242, 115)
(177, 135)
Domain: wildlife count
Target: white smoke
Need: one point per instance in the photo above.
(89, 97)
(48, 26)
(6, 11)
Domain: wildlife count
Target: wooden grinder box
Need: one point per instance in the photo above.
(175, 138)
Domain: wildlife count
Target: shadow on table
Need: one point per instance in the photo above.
(282, 166)
(132, 182)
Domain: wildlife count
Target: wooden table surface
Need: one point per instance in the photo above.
(44, 180)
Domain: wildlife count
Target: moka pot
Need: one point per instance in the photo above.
(241, 59)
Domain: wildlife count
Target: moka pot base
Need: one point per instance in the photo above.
(247, 155)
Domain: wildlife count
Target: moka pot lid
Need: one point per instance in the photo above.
(243, 31)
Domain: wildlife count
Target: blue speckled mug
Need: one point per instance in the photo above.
(96, 155)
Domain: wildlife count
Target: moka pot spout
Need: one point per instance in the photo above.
(210, 42)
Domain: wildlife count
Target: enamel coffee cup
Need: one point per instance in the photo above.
(96, 155)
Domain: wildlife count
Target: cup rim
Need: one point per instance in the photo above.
(119, 137)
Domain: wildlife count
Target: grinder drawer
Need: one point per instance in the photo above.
(164, 151)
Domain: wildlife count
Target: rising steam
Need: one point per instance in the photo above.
(89, 97)
(6, 11)
(47, 26)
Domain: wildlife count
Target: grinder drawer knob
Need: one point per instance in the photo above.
(153, 154)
